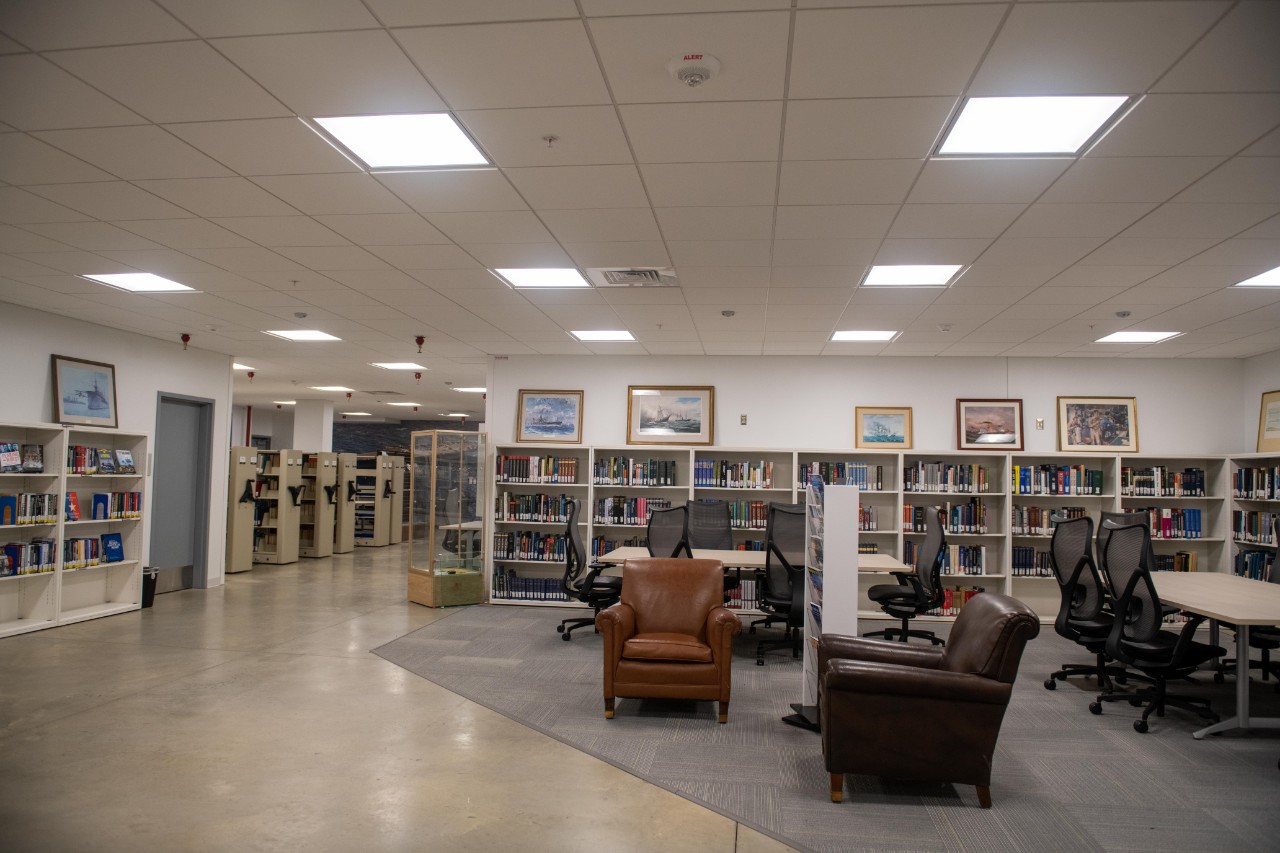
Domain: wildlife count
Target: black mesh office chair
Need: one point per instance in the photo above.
(1136, 639)
(916, 592)
(666, 532)
(582, 580)
(709, 527)
(781, 582)
(1083, 614)
(1265, 638)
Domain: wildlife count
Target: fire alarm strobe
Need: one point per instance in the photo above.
(694, 69)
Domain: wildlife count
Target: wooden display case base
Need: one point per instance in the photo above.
(434, 590)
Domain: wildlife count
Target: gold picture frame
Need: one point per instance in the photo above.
(671, 414)
(549, 417)
(1098, 424)
(882, 427)
(989, 424)
(1269, 422)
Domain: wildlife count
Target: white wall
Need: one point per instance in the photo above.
(144, 366)
(1184, 405)
(1261, 374)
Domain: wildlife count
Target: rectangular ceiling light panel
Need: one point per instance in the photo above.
(603, 335)
(140, 282)
(396, 365)
(911, 275)
(542, 277)
(1038, 125)
(423, 141)
(1136, 337)
(301, 335)
(1270, 278)
(863, 336)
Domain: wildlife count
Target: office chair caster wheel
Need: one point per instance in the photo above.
(1218, 678)
(1140, 726)
(759, 661)
(1137, 703)
(565, 636)
(559, 629)
(1095, 708)
(1050, 684)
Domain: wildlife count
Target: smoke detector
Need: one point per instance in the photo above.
(694, 69)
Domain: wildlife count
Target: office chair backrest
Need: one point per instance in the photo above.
(666, 532)
(784, 545)
(1118, 519)
(1137, 606)
(576, 566)
(1273, 573)
(709, 525)
(1070, 553)
(929, 560)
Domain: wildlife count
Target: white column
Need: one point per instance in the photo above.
(313, 426)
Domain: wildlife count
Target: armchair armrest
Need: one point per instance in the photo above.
(722, 627)
(841, 646)
(881, 679)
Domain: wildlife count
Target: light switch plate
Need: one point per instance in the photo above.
(1039, 423)
(742, 419)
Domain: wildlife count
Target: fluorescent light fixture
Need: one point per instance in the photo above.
(911, 275)
(542, 277)
(302, 335)
(331, 388)
(140, 282)
(1270, 278)
(285, 402)
(863, 336)
(455, 415)
(603, 335)
(404, 404)
(396, 365)
(1036, 125)
(472, 390)
(235, 365)
(1136, 337)
(358, 414)
(424, 140)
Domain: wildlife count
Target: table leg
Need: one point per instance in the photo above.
(1242, 676)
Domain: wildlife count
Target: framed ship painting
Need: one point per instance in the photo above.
(670, 414)
(1099, 424)
(882, 427)
(989, 424)
(553, 417)
(84, 392)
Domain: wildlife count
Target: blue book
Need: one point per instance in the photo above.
(101, 506)
(112, 548)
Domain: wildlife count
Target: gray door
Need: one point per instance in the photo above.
(180, 486)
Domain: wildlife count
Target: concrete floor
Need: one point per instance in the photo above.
(252, 717)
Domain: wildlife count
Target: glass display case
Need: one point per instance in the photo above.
(446, 518)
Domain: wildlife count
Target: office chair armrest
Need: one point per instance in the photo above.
(832, 647)
(888, 680)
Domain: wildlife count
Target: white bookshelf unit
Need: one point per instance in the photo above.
(61, 573)
(997, 527)
(1254, 487)
(319, 499)
(344, 512)
(242, 478)
(278, 501)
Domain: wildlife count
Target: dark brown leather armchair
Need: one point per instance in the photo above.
(670, 637)
(925, 713)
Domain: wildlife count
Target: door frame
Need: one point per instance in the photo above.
(204, 461)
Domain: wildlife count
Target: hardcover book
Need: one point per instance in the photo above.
(112, 548)
(73, 506)
(10, 457)
(106, 464)
(8, 509)
(124, 462)
(33, 458)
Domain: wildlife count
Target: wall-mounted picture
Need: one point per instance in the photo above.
(989, 424)
(1269, 423)
(670, 414)
(84, 392)
(882, 428)
(549, 416)
(1104, 424)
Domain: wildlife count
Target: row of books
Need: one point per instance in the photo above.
(730, 474)
(105, 506)
(601, 545)
(28, 508)
(1182, 561)
(968, 517)
(1027, 562)
(1255, 564)
(1169, 523)
(21, 458)
(1161, 482)
(744, 596)
(531, 545)
(537, 469)
(945, 477)
(626, 510)
(1035, 520)
(625, 471)
(964, 560)
(538, 507)
(29, 558)
(99, 460)
(510, 585)
(954, 598)
(1256, 528)
(868, 517)
(868, 548)
(1056, 480)
(1258, 484)
(868, 478)
(748, 515)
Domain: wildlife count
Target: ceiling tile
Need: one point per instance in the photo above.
(212, 197)
(86, 23)
(1058, 48)
(32, 239)
(544, 64)
(177, 81)
(1233, 56)
(715, 253)
(833, 222)
(864, 128)
(185, 233)
(601, 224)
(384, 229)
(328, 74)
(39, 95)
(782, 276)
(634, 253)
(409, 13)
(516, 255)
(518, 137)
(889, 52)
(724, 277)
(432, 192)
(1262, 253)
(912, 250)
(846, 181)
(708, 132)
(577, 187)
(1133, 179)
(1189, 125)
(954, 220)
(823, 253)
(716, 223)
(1146, 251)
(1062, 251)
(274, 231)
(250, 17)
(111, 200)
(90, 236)
(19, 206)
(504, 226)
(1075, 296)
(1097, 275)
(26, 160)
(1077, 220)
(751, 47)
(131, 153)
(425, 257)
(272, 146)
(320, 194)
(985, 181)
(76, 263)
(1244, 179)
(333, 257)
(1200, 220)
(710, 184)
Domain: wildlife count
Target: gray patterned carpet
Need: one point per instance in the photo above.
(1064, 779)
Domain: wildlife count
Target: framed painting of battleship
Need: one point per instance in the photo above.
(670, 414)
(84, 392)
(987, 424)
(882, 428)
(553, 417)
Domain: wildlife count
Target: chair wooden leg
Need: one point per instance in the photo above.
(837, 787)
(724, 712)
(608, 708)
(984, 796)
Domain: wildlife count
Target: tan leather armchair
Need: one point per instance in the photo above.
(670, 636)
(925, 713)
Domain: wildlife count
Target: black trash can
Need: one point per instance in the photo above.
(150, 574)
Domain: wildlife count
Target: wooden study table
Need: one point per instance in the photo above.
(1226, 598)
(753, 559)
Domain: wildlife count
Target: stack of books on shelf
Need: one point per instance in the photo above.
(868, 517)
(99, 460)
(744, 596)
(1027, 562)
(600, 545)
(868, 478)
(944, 477)
(28, 508)
(1258, 484)
(512, 506)
(626, 471)
(969, 517)
(955, 598)
(1182, 561)
(509, 585)
(1036, 520)
(729, 474)
(537, 469)
(1055, 480)
(748, 515)
(21, 458)
(530, 545)
(964, 560)
(1255, 528)
(1160, 482)
(116, 505)
(868, 548)
(1254, 564)
(80, 553)
(29, 558)
(1169, 523)
(626, 511)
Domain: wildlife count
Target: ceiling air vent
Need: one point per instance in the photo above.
(632, 277)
